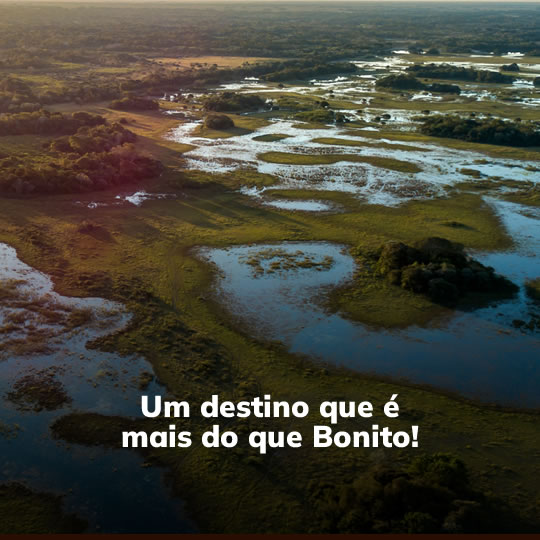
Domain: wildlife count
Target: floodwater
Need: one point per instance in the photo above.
(478, 354)
(440, 166)
(111, 489)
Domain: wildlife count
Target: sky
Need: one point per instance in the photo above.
(263, 1)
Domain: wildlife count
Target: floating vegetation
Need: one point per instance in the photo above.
(9, 431)
(34, 319)
(39, 390)
(271, 137)
(272, 260)
(144, 380)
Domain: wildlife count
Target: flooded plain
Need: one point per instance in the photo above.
(276, 291)
(48, 371)
(478, 354)
(439, 167)
(484, 354)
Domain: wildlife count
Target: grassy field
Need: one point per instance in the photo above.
(335, 141)
(207, 61)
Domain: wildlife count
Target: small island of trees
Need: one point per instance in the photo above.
(488, 131)
(458, 73)
(233, 102)
(406, 81)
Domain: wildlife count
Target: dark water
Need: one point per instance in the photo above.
(108, 488)
(477, 354)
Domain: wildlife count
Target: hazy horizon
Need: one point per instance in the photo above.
(267, 1)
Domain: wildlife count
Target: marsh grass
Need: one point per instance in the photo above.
(277, 260)
(39, 390)
(287, 158)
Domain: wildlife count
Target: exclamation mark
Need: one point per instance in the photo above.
(415, 436)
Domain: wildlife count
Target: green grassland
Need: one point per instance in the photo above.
(273, 137)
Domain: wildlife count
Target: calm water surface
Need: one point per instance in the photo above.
(477, 354)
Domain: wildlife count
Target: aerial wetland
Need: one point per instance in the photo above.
(352, 234)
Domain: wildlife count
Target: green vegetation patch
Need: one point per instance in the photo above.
(242, 125)
(432, 494)
(438, 268)
(490, 131)
(134, 103)
(460, 73)
(233, 102)
(335, 141)
(320, 116)
(39, 390)
(288, 158)
(276, 260)
(461, 218)
(271, 137)
(94, 158)
(506, 152)
(23, 511)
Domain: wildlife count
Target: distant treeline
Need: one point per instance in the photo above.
(18, 95)
(458, 73)
(297, 71)
(33, 34)
(134, 103)
(405, 81)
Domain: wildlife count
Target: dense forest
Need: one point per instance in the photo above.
(332, 31)
(96, 156)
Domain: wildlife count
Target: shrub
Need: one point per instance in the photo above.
(401, 81)
(510, 67)
(432, 494)
(133, 103)
(218, 121)
(438, 268)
